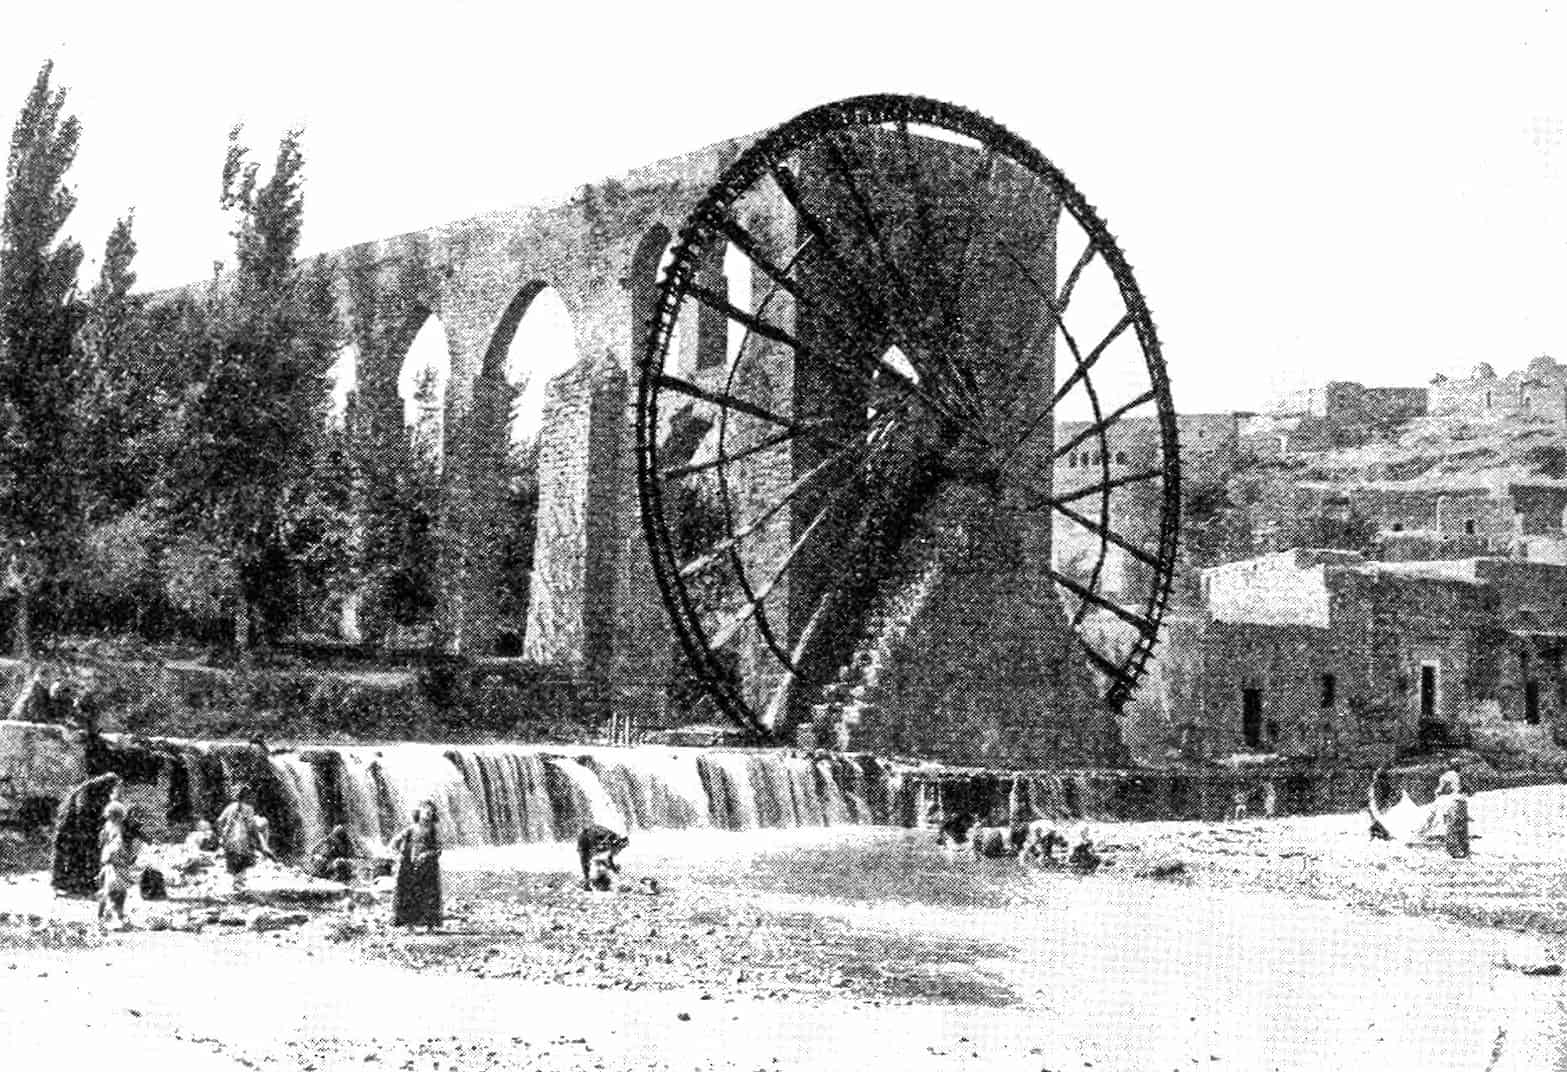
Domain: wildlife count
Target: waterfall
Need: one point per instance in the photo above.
(360, 797)
(504, 794)
(584, 798)
(298, 779)
(726, 776)
(512, 790)
(653, 788)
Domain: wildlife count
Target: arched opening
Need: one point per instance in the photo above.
(399, 603)
(421, 385)
(544, 346)
(540, 348)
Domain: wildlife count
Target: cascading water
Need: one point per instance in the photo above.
(506, 794)
(357, 789)
(513, 790)
(583, 798)
(298, 779)
(653, 789)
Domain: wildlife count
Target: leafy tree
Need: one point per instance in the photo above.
(248, 425)
(519, 525)
(397, 479)
(37, 376)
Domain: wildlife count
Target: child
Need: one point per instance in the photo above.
(118, 846)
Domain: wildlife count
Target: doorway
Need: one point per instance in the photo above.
(1531, 702)
(1251, 717)
(1431, 732)
(1428, 692)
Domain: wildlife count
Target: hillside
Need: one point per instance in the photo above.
(1438, 452)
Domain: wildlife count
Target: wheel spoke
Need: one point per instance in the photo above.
(1106, 666)
(766, 443)
(789, 186)
(921, 194)
(1142, 555)
(838, 155)
(753, 323)
(1064, 298)
(718, 550)
(1103, 423)
(902, 302)
(953, 299)
(746, 243)
(1141, 624)
(740, 405)
(754, 600)
(833, 500)
(1093, 357)
(1106, 485)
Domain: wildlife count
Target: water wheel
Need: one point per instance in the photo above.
(939, 418)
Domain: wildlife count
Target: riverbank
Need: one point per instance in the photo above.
(845, 948)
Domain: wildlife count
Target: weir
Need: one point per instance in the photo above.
(504, 794)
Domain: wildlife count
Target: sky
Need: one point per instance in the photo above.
(1307, 192)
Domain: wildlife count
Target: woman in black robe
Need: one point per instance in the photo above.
(417, 899)
(75, 864)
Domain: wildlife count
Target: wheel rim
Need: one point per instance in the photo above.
(866, 295)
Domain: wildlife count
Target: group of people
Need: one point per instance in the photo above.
(1444, 822)
(99, 840)
(1028, 841)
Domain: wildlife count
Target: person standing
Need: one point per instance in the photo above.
(75, 862)
(417, 898)
(119, 843)
(240, 836)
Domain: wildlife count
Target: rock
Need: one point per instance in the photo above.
(1160, 867)
(1529, 956)
(267, 919)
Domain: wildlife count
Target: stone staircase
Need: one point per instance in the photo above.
(852, 697)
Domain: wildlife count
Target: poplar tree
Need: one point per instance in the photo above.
(38, 515)
(248, 427)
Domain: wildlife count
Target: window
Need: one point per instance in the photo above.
(1469, 527)
(1329, 690)
(1398, 526)
(1120, 457)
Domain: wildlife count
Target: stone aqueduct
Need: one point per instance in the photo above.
(593, 608)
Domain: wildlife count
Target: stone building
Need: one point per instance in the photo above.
(1519, 518)
(1314, 653)
(1346, 404)
(1536, 392)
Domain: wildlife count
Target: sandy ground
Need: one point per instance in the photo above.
(1290, 944)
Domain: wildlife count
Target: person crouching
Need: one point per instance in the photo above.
(1450, 816)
